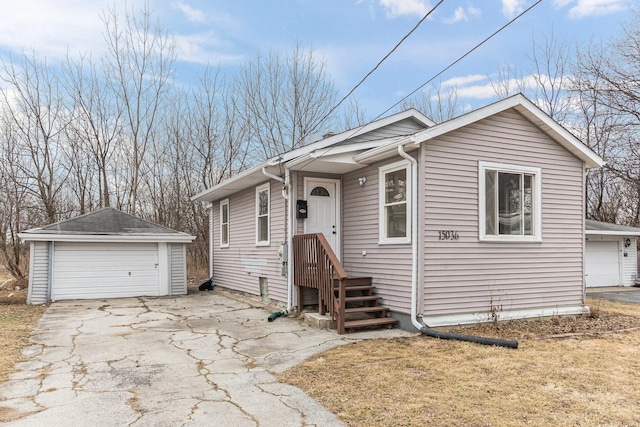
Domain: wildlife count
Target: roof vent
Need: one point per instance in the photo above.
(328, 135)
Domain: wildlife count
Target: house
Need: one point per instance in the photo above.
(479, 217)
(611, 257)
(105, 254)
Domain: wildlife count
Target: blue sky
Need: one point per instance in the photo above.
(352, 36)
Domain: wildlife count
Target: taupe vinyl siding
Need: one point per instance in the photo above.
(39, 273)
(389, 265)
(240, 265)
(178, 270)
(466, 275)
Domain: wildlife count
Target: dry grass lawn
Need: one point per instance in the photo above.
(17, 320)
(590, 377)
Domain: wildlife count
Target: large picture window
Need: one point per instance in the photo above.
(395, 207)
(262, 215)
(224, 223)
(510, 199)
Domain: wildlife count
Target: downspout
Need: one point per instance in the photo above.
(414, 236)
(286, 183)
(414, 271)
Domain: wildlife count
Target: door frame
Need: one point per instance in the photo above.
(338, 206)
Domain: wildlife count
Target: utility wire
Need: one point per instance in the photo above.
(460, 58)
(378, 64)
(358, 128)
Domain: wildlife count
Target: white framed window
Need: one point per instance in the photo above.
(510, 200)
(224, 223)
(395, 203)
(262, 214)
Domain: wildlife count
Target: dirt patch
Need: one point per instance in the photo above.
(588, 377)
(606, 317)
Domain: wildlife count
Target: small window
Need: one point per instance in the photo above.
(224, 223)
(262, 215)
(320, 191)
(395, 206)
(510, 200)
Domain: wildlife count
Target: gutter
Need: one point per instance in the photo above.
(424, 329)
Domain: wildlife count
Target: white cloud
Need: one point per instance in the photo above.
(463, 80)
(585, 8)
(462, 14)
(55, 28)
(205, 48)
(194, 15)
(397, 8)
(510, 8)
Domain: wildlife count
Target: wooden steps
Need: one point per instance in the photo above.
(359, 307)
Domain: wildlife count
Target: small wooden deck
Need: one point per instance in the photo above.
(351, 301)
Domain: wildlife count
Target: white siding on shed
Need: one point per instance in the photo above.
(177, 269)
(39, 273)
(104, 270)
(630, 263)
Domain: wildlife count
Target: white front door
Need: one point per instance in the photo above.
(323, 196)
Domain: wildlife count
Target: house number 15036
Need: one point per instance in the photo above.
(448, 235)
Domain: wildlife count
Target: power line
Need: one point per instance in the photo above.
(378, 64)
(358, 128)
(460, 58)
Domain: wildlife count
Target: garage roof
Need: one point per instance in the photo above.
(605, 228)
(106, 224)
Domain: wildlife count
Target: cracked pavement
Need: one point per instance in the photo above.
(203, 359)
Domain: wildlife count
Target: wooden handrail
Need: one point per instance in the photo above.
(315, 265)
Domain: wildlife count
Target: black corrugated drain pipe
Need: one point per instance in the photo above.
(470, 338)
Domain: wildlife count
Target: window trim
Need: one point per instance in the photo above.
(259, 189)
(537, 202)
(224, 203)
(382, 222)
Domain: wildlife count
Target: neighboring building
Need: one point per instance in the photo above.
(105, 254)
(479, 216)
(611, 257)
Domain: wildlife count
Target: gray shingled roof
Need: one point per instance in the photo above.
(605, 227)
(105, 221)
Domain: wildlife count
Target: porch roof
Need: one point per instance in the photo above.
(330, 154)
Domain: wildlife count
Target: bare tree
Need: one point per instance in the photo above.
(606, 76)
(438, 103)
(97, 127)
(138, 66)
(287, 99)
(38, 115)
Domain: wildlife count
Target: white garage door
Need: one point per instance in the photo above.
(104, 270)
(602, 264)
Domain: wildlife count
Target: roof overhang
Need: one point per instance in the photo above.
(532, 113)
(243, 180)
(599, 228)
(106, 238)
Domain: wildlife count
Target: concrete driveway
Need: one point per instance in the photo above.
(206, 359)
(622, 294)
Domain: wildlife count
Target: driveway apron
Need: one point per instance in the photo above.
(196, 360)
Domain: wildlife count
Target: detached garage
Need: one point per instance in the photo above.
(105, 254)
(610, 254)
